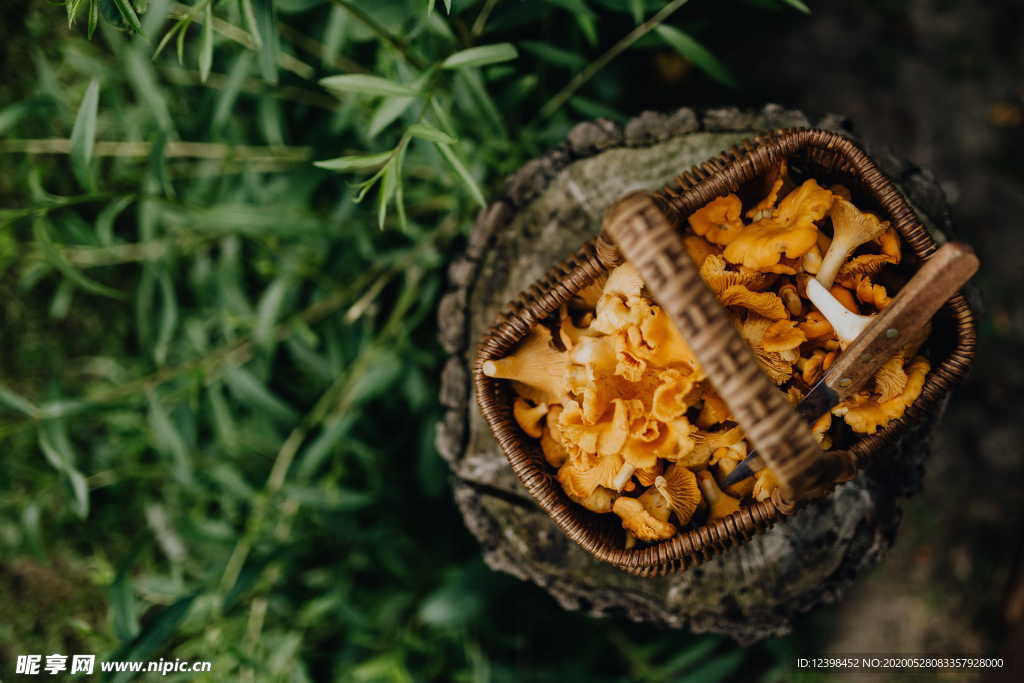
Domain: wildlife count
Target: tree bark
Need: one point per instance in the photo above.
(549, 207)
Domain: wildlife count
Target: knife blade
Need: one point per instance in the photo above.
(932, 285)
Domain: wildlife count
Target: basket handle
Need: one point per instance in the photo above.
(648, 240)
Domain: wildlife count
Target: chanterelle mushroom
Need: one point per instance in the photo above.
(640, 522)
(540, 371)
(678, 486)
(789, 231)
(865, 414)
(528, 417)
(718, 220)
(721, 504)
(852, 228)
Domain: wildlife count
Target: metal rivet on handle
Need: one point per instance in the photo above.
(845, 382)
(892, 333)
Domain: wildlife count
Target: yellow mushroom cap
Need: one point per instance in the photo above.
(865, 415)
(782, 335)
(699, 249)
(678, 486)
(715, 272)
(528, 417)
(640, 522)
(765, 304)
(581, 477)
(718, 220)
(600, 501)
(722, 505)
(714, 411)
(891, 379)
(706, 443)
(551, 440)
(777, 365)
(669, 400)
(789, 231)
(539, 369)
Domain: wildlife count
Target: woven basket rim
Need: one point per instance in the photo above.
(720, 175)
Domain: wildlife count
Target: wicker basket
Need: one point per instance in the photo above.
(824, 155)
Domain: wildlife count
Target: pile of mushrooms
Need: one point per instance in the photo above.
(624, 412)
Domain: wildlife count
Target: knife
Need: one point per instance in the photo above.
(881, 337)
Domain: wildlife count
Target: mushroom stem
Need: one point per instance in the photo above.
(622, 476)
(847, 324)
(852, 229)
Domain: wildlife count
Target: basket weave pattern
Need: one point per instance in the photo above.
(819, 153)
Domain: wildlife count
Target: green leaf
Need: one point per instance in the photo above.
(426, 131)
(554, 55)
(332, 434)
(17, 403)
(638, 8)
(364, 84)
(249, 17)
(266, 22)
(685, 45)
(159, 630)
(206, 45)
(798, 5)
(388, 183)
(247, 389)
(83, 135)
(122, 606)
(480, 56)
(356, 162)
(128, 14)
(168, 316)
(464, 174)
(390, 108)
(269, 309)
(72, 7)
(57, 259)
(94, 17)
(169, 440)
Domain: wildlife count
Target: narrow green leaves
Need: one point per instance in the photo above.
(685, 45)
(425, 131)
(124, 7)
(56, 447)
(365, 84)
(266, 23)
(798, 5)
(356, 162)
(249, 17)
(464, 174)
(83, 135)
(480, 56)
(206, 44)
(56, 258)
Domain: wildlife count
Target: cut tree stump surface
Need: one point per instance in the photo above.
(552, 205)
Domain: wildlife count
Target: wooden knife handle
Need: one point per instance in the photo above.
(935, 282)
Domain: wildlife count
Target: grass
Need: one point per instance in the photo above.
(217, 390)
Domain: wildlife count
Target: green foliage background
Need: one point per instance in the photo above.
(219, 369)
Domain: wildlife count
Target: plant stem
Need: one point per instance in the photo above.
(481, 19)
(582, 77)
(174, 148)
(384, 34)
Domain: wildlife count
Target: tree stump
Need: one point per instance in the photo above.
(550, 206)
